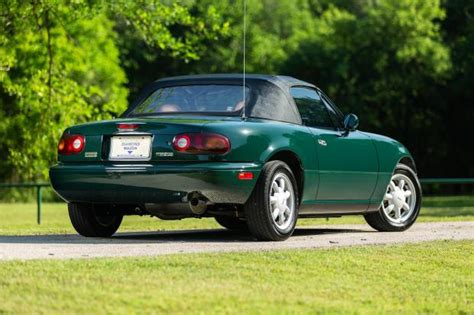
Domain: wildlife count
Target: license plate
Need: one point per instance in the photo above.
(130, 148)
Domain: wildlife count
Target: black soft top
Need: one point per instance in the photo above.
(269, 96)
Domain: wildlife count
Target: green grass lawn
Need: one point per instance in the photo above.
(434, 277)
(21, 218)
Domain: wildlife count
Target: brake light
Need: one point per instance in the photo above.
(127, 127)
(71, 144)
(201, 143)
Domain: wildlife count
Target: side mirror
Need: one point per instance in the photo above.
(351, 122)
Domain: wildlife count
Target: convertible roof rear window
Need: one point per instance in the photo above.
(202, 98)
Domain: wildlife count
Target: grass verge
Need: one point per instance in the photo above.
(20, 219)
(434, 277)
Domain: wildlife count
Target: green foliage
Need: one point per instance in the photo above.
(151, 21)
(150, 50)
(383, 55)
(457, 98)
(386, 61)
(273, 31)
(61, 66)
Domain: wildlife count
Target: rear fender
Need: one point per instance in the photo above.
(260, 141)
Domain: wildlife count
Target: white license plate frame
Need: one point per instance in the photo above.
(130, 148)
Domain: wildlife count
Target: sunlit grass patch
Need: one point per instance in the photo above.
(432, 277)
(20, 219)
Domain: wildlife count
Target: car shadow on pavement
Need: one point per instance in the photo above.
(177, 236)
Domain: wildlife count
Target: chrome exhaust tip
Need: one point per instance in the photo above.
(198, 205)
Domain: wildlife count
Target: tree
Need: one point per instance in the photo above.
(60, 65)
(274, 30)
(158, 39)
(382, 60)
(458, 93)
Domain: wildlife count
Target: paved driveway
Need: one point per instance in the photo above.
(207, 241)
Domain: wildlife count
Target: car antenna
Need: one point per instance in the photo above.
(244, 115)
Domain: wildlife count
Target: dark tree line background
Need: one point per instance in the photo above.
(406, 67)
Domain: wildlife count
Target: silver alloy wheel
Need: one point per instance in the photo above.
(399, 201)
(282, 201)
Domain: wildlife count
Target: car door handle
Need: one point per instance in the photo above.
(322, 142)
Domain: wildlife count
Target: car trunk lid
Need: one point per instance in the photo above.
(112, 140)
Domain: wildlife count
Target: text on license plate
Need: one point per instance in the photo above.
(130, 148)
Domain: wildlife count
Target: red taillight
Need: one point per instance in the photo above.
(201, 143)
(127, 127)
(245, 176)
(181, 143)
(71, 144)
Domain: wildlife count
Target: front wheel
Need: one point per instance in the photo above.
(272, 209)
(93, 220)
(401, 204)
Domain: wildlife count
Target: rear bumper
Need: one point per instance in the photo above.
(163, 183)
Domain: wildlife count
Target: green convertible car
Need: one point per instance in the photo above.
(255, 154)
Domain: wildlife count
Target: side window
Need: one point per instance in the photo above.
(312, 110)
(336, 116)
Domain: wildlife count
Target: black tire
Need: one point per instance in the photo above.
(93, 220)
(258, 209)
(232, 223)
(379, 220)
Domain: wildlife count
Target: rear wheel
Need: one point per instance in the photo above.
(232, 223)
(272, 209)
(401, 204)
(94, 221)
